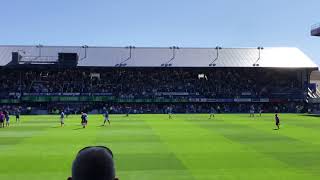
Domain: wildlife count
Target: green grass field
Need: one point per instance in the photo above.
(152, 147)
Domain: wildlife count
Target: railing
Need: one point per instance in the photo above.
(39, 59)
(111, 98)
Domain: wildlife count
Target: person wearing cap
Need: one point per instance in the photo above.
(93, 163)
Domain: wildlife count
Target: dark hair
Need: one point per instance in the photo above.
(94, 163)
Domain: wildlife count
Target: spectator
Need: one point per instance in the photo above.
(93, 163)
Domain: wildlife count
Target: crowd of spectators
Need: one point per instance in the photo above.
(153, 82)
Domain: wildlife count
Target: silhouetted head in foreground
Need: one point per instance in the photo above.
(93, 163)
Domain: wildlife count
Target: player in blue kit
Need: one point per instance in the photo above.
(212, 111)
(252, 111)
(106, 116)
(67, 111)
(260, 109)
(62, 116)
(128, 109)
(169, 111)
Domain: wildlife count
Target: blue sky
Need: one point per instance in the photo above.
(184, 23)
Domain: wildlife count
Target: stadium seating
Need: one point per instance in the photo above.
(134, 83)
(152, 85)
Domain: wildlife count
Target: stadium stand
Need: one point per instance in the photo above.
(147, 80)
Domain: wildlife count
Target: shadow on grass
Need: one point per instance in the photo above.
(79, 128)
(311, 115)
(56, 127)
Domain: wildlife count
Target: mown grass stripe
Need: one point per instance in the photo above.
(221, 155)
(293, 151)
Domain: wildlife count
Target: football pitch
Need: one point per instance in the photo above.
(153, 147)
